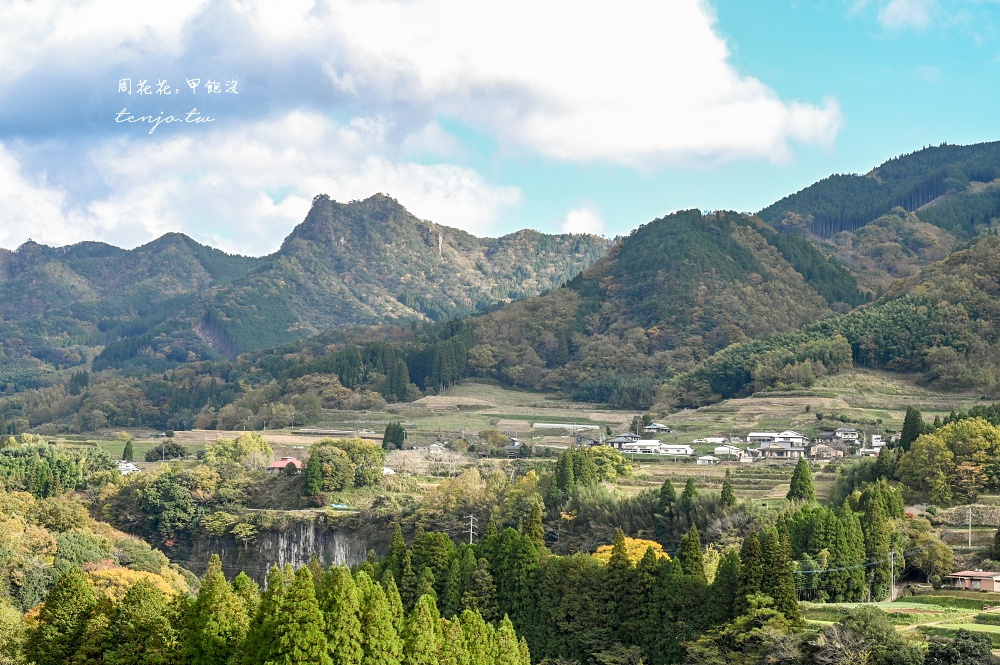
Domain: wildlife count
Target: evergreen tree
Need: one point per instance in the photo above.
(724, 588)
(751, 572)
(619, 585)
(300, 637)
(481, 596)
(129, 452)
(913, 427)
(340, 604)
(395, 602)
(565, 479)
(778, 580)
(514, 568)
(62, 620)
(139, 631)
(218, 621)
(478, 638)
(689, 554)
(248, 592)
(491, 537)
(421, 639)
(851, 555)
(452, 650)
(393, 559)
(508, 650)
(261, 637)
(668, 497)
(996, 546)
(313, 476)
(408, 582)
(878, 541)
(425, 584)
(381, 642)
(532, 527)
(451, 601)
(584, 471)
(728, 496)
(687, 501)
(801, 488)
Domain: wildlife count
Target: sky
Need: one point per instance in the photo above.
(120, 122)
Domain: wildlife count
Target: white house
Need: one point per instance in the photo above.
(791, 437)
(878, 440)
(676, 449)
(125, 468)
(644, 446)
(846, 434)
(706, 460)
(761, 437)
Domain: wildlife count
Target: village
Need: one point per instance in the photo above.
(787, 446)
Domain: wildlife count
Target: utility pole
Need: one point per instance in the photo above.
(892, 575)
(970, 527)
(472, 527)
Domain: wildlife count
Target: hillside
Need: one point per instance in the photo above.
(940, 324)
(673, 292)
(372, 261)
(945, 184)
(174, 300)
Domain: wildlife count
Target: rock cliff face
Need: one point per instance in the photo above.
(294, 544)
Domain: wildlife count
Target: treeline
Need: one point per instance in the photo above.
(46, 471)
(330, 618)
(847, 202)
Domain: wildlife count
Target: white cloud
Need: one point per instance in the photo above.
(216, 188)
(641, 83)
(907, 14)
(345, 96)
(585, 218)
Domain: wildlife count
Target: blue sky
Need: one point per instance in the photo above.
(560, 116)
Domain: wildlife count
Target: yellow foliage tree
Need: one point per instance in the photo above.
(636, 549)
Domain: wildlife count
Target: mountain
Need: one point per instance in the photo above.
(371, 261)
(942, 324)
(953, 180)
(670, 294)
(900, 217)
(175, 300)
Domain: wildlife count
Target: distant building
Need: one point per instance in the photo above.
(676, 449)
(706, 460)
(643, 446)
(975, 580)
(781, 450)
(125, 468)
(278, 466)
(824, 451)
(657, 428)
(728, 451)
(573, 427)
(846, 435)
(620, 440)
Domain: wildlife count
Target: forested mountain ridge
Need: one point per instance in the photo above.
(174, 300)
(941, 324)
(949, 180)
(670, 294)
(371, 261)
